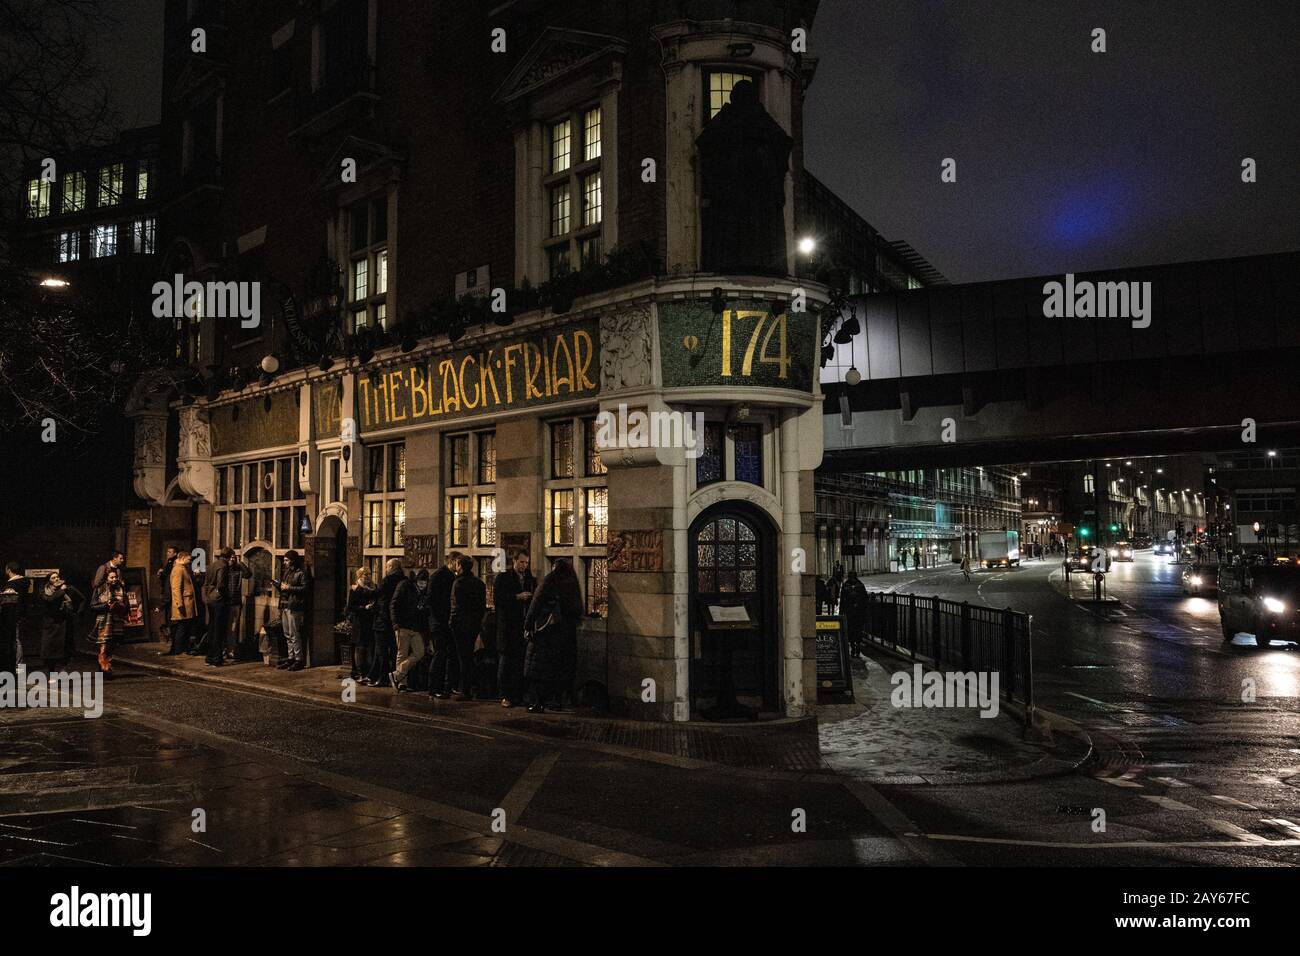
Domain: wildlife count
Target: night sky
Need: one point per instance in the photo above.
(1067, 160)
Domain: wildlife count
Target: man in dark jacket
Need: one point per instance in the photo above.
(222, 576)
(382, 624)
(512, 589)
(13, 601)
(408, 626)
(468, 602)
(114, 563)
(440, 585)
(295, 591)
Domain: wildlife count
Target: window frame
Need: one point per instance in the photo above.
(389, 494)
(578, 483)
(472, 491)
(235, 498)
(372, 252)
(580, 242)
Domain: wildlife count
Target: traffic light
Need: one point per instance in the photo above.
(1114, 527)
(1083, 532)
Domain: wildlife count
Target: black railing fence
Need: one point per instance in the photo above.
(953, 635)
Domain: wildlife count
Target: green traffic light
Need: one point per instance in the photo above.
(1083, 532)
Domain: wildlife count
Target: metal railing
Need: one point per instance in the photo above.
(954, 635)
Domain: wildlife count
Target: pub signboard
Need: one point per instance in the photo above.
(536, 369)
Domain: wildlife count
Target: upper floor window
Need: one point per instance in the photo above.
(110, 185)
(573, 191)
(730, 452)
(720, 84)
(368, 264)
(142, 236)
(38, 198)
(74, 192)
(103, 241)
(69, 246)
(144, 179)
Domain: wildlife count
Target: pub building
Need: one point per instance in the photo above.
(631, 191)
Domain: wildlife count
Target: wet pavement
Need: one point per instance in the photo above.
(1182, 771)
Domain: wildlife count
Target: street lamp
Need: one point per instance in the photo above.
(54, 282)
(807, 245)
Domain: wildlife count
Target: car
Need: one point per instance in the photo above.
(1261, 600)
(1200, 579)
(1121, 551)
(1162, 547)
(1142, 541)
(1077, 561)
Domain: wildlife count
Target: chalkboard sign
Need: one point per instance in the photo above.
(833, 676)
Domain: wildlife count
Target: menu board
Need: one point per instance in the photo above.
(833, 675)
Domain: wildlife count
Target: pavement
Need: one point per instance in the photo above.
(876, 742)
(869, 741)
(1184, 770)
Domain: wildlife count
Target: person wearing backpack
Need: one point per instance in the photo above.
(551, 628)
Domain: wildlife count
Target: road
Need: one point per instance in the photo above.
(1184, 771)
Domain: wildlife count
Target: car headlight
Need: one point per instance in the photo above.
(1114, 553)
(1195, 579)
(1274, 605)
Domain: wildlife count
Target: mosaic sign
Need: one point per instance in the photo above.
(257, 423)
(535, 370)
(326, 408)
(750, 343)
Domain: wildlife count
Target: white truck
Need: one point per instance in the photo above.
(999, 549)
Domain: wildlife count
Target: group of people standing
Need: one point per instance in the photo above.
(531, 629)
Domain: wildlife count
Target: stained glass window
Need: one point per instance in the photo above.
(749, 453)
(726, 557)
(708, 467)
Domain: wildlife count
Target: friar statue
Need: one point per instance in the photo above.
(744, 158)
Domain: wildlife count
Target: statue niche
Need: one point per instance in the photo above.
(744, 158)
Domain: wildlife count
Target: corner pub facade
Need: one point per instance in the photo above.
(477, 171)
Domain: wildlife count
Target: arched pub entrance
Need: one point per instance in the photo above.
(735, 624)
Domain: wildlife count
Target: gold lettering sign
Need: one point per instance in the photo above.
(636, 551)
(327, 408)
(539, 369)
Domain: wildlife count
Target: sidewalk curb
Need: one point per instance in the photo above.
(545, 727)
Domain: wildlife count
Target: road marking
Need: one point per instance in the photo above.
(897, 823)
(1167, 803)
(526, 787)
(1286, 826)
(1170, 781)
(1108, 845)
(1091, 700)
(1241, 833)
(1233, 802)
(1121, 781)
